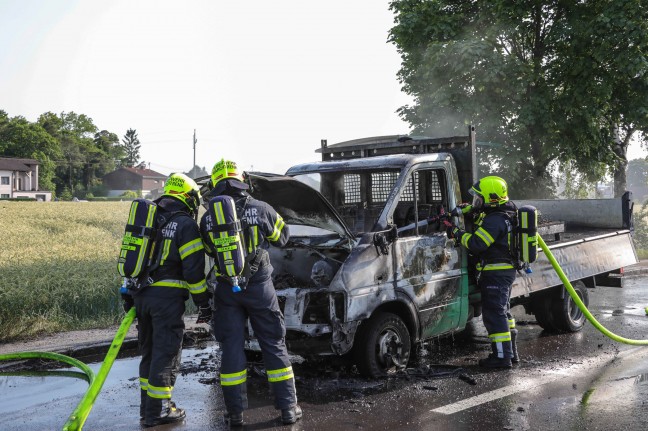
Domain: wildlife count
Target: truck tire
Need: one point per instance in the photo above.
(567, 317)
(543, 311)
(383, 345)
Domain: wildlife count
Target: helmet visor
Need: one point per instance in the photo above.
(477, 201)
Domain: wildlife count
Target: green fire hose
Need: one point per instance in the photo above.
(580, 304)
(80, 414)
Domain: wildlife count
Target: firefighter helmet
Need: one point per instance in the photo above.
(184, 189)
(223, 170)
(490, 192)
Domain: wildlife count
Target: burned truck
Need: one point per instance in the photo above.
(364, 276)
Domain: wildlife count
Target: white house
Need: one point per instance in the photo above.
(19, 179)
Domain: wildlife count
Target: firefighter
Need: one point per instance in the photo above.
(178, 271)
(256, 301)
(492, 214)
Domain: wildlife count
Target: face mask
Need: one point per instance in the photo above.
(477, 201)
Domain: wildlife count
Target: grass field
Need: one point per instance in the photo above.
(58, 266)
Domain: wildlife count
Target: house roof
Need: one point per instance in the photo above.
(144, 173)
(15, 164)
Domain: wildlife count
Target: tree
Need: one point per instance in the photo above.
(131, 148)
(75, 134)
(547, 84)
(20, 138)
(638, 179)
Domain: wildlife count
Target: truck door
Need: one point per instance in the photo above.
(427, 265)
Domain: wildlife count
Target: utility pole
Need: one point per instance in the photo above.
(194, 148)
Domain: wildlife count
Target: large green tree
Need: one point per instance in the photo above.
(75, 133)
(547, 83)
(131, 148)
(20, 138)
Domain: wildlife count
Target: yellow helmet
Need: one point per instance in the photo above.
(223, 170)
(492, 191)
(184, 189)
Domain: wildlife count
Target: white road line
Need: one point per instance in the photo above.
(468, 403)
(527, 384)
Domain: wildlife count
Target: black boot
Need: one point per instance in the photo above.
(291, 415)
(494, 362)
(234, 419)
(162, 412)
(515, 359)
(143, 400)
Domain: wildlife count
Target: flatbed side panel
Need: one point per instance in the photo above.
(578, 259)
(595, 213)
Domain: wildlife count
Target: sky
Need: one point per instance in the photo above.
(261, 83)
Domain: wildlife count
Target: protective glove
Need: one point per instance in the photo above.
(461, 209)
(204, 313)
(127, 301)
(450, 228)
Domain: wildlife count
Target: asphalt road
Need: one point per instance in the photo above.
(564, 381)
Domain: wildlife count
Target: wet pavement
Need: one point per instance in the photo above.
(564, 381)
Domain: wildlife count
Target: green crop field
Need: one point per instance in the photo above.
(58, 266)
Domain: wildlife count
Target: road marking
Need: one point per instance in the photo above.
(528, 384)
(468, 403)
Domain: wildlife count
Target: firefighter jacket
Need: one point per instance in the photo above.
(262, 226)
(491, 239)
(181, 256)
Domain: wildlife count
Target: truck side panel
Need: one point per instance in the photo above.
(578, 259)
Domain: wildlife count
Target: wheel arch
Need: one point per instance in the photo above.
(404, 308)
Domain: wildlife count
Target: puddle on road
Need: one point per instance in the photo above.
(20, 390)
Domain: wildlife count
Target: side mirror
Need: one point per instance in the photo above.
(384, 238)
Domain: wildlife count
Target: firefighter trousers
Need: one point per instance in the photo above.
(258, 302)
(160, 331)
(495, 288)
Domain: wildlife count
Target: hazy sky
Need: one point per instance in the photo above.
(261, 82)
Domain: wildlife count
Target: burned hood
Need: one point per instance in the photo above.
(297, 203)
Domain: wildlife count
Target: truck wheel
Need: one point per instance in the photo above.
(542, 310)
(567, 316)
(383, 345)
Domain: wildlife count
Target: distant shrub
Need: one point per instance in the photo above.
(129, 194)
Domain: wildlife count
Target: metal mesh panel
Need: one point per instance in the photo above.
(435, 187)
(381, 184)
(351, 188)
(408, 191)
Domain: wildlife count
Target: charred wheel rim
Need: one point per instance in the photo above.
(390, 348)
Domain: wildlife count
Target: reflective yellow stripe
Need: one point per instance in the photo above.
(494, 266)
(190, 248)
(254, 241)
(165, 250)
(199, 287)
(465, 238)
(280, 374)
(143, 383)
(278, 226)
(511, 323)
(500, 337)
(160, 392)
(485, 236)
(233, 379)
(171, 283)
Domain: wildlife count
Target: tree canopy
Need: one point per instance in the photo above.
(546, 83)
(73, 153)
(131, 148)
